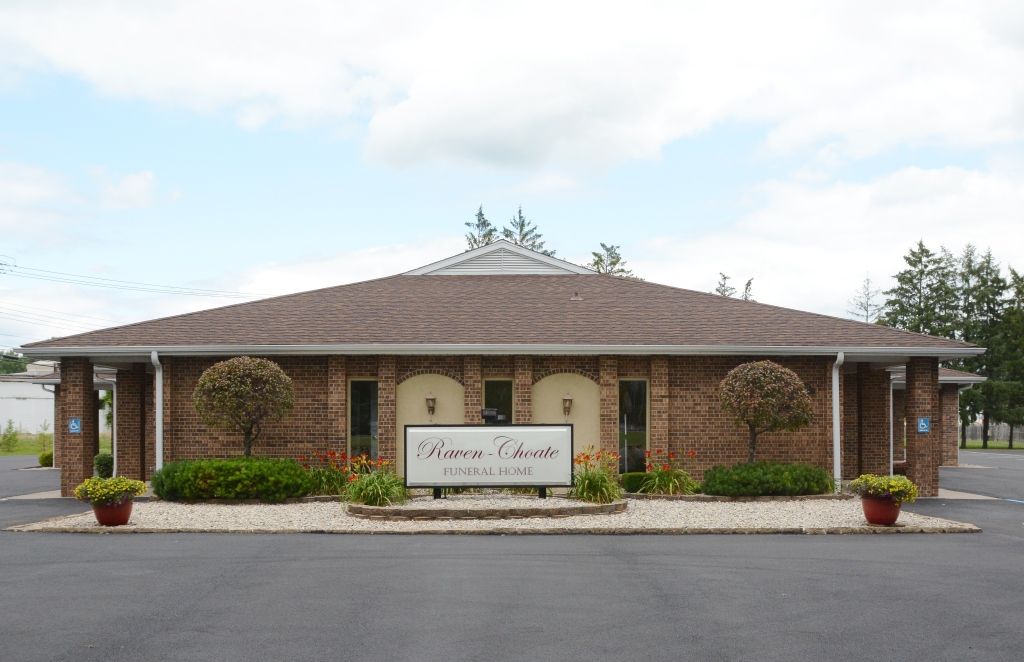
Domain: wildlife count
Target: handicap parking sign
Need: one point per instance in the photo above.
(924, 424)
(75, 426)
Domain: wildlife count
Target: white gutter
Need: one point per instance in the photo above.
(943, 353)
(158, 413)
(837, 457)
(113, 426)
(891, 433)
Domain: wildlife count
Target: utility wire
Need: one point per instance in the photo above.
(11, 304)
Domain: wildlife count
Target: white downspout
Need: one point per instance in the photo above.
(837, 456)
(113, 425)
(891, 432)
(158, 413)
(56, 422)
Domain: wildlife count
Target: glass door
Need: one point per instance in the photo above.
(632, 424)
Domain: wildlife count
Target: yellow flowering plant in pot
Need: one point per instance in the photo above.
(882, 496)
(111, 498)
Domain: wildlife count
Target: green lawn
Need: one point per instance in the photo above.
(975, 445)
(34, 444)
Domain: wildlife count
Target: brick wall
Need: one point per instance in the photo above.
(949, 406)
(472, 380)
(522, 390)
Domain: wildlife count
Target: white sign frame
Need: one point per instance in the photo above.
(484, 449)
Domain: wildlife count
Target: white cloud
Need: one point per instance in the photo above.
(131, 191)
(31, 198)
(579, 83)
(809, 246)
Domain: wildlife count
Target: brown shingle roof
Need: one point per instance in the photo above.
(502, 309)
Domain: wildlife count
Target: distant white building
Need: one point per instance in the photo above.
(26, 398)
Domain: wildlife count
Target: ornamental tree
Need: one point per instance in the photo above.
(765, 397)
(242, 394)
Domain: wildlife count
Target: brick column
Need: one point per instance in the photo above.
(873, 419)
(924, 450)
(473, 390)
(130, 423)
(337, 402)
(58, 416)
(522, 390)
(949, 405)
(658, 425)
(78, 401)
(386, 409)
(608, 380)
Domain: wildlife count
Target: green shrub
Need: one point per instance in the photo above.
(103, 463)
(632, 480)
(594, 477)
(668, 480)
(262, 479)
(377, 488)
(46, 459)
(767, 479)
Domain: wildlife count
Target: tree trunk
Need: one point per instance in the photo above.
(247, 443)
(984, 429)
(751, 445)
(1011, 436)
(963, 435)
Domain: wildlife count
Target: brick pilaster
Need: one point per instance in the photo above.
(386, 409)
(78, 401)
(873, 419)
(608, 380)
(130, 424)
(658, 425)
(522, 390)
(58, 416)
(473, 393)
(924, 450)
(949, 405)
(337, 402)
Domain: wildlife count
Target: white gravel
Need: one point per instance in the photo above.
(640, 516)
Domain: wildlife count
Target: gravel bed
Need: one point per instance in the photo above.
(640, 517)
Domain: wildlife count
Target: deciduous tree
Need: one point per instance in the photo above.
(242, 394)
(765, 397)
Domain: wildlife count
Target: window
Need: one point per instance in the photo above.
(363, 418)
(498, 395)
(632, 424)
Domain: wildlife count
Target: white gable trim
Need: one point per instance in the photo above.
(544, 264)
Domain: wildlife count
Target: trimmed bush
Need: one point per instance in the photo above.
(46, 459)
(262, 479)
(103, 463)
(767, 479)
(632, 480)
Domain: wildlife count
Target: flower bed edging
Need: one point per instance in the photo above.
(713, 497)
(401, 514)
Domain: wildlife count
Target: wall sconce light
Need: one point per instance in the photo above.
(566, 404)
(431, 404)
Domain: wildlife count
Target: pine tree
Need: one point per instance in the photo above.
(984, 307)
(747, 294)
(481, 231)
(609, 261)
(724, 288)
(925, 297)
(522, 232)
(864, 305)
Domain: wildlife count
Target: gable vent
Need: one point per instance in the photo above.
(501, 261)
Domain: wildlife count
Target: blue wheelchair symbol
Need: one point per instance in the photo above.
(75, 426)
(924, 425)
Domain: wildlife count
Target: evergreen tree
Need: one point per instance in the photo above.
(724, 288)
(983, 307)
(522, 232)
(609, 261)
(481, 231)
(864, 305)
(925, 297)
(747, 295)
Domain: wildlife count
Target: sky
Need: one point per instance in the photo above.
(249, 148)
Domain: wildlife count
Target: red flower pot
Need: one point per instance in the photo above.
(880, 510)
(113, 515)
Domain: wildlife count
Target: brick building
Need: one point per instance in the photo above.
(520, 332)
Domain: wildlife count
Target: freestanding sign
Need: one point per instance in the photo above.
(488, 456)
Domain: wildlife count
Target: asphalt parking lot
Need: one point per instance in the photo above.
(234, 597)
